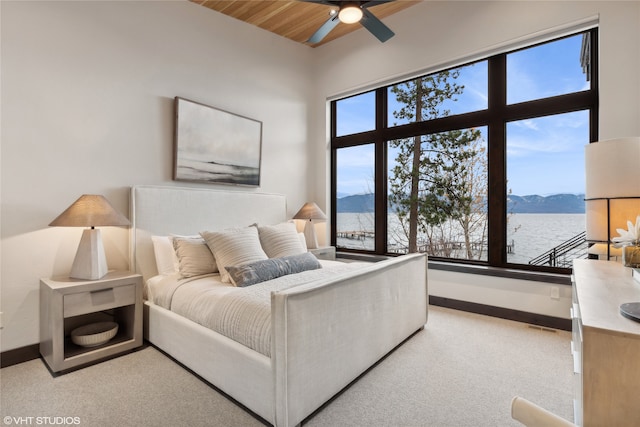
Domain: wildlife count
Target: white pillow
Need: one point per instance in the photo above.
(234, 247)
(194, 256)
(280, 240)
(166, 259)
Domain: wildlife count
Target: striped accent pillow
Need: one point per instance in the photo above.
(280, 240)
(234, 247)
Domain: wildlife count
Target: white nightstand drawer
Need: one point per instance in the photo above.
(101, 299)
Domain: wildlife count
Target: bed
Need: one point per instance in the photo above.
(322, 334)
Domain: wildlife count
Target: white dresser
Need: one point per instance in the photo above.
(605, 345)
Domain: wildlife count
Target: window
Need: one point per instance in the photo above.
(471, 164)
(450, 92)
(546, 70)
(449, 216)
(356, 114)
(545, 168)
(355, 215)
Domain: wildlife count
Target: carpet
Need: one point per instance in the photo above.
(461, 370)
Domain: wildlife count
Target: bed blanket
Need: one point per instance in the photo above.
(242, 314)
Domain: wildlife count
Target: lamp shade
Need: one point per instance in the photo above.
(612, 192)
(310, 211)
(90, 211)
(613, 168)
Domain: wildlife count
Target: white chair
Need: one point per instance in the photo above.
(532, 415)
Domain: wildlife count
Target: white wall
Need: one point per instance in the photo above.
(436, 34)
(87, 107)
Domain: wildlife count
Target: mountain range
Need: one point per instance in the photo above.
(555, 203)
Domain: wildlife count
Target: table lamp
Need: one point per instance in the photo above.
(90, 210)
(612, 194)
(309, 212)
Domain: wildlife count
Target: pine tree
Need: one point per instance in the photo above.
(438, 179)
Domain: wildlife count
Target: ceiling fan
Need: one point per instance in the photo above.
(350, 12)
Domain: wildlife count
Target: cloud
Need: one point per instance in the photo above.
(559, 133)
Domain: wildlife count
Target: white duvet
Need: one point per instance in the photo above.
(242, 314)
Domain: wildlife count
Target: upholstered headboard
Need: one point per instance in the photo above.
(162, 211)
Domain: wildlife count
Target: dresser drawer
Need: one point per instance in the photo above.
(101, 299)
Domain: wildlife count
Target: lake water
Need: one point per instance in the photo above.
(537, 233)
(529, 235)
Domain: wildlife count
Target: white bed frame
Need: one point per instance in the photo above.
(323, 334)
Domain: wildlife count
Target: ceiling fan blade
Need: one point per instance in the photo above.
(372, 3)
(375, 26)
(329, 25)
(327, 2)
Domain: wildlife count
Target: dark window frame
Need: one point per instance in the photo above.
(495, 117)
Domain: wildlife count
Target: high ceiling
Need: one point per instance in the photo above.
(295, 20)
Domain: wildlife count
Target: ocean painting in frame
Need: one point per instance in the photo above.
(215, 146)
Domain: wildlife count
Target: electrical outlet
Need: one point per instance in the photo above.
(555, 292)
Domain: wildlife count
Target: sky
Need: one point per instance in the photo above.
(544, 155)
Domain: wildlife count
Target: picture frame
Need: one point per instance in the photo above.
(215, 146)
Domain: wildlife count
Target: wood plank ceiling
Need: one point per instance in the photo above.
(296, 20)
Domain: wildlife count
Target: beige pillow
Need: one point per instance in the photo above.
(280, 240)
(234, 247)
(194, 256)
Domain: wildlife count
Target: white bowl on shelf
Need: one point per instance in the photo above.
(94, 334)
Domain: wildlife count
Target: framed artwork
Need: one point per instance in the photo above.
(215, 146)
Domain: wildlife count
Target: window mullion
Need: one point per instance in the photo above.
(594, 129)
(497, 217)
(334, 175)
(381, 173)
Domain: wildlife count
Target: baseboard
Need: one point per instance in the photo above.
(19, 355)
(503, 313)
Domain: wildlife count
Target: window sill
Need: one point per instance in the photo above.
(507, 273)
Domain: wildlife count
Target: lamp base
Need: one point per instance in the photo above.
(310, 235)
(90, 262)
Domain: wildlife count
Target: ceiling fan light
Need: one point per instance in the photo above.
(350, 14)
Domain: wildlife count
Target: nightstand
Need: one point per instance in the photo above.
(66, 304)
(326, 253)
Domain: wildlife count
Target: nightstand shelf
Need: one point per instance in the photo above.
(66, 304)
(72, 350)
